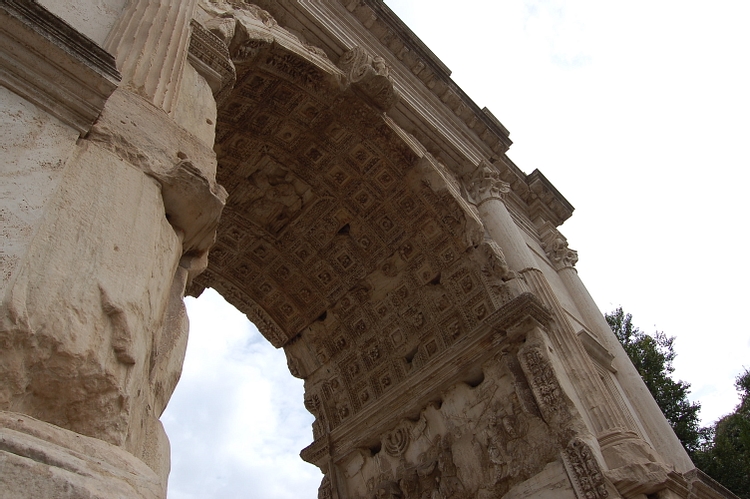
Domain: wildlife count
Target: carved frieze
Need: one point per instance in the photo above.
(396, 441)
(478, 441)
(584, 471)
(210, 56)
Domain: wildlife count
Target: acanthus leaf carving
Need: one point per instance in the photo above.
(485, 184)
(584, 471)
(556, 247)
(495, 265)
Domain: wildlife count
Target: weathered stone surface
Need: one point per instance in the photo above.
(54, 66)
(41, 460)
(35, 147)
(414, 276)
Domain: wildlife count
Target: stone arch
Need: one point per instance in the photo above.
(362, 234)
(344, 240)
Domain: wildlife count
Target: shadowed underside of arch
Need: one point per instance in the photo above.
(434, 367)
(348, 244)
(374, 229)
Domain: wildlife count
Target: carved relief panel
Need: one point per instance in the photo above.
(475, 442)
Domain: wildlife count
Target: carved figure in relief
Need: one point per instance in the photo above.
(274, 198)
(498, 457)
(324, 491)
(449, 486)
(388, 490)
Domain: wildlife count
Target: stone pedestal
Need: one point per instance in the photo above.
(39, 459)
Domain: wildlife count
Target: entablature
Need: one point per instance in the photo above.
(48, 62)
(431, 107)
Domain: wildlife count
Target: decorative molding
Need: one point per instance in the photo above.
(545, 201)
(583, 471)
(49, 63)
(556, 247)
(370, 76)
(596, 350)
(543, 382)
(209, 55)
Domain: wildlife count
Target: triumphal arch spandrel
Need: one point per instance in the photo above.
(314, 162)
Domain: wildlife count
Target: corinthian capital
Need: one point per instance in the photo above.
(485, 184)
(556, 247)
(561, 255)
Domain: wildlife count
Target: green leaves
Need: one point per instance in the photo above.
(721, 450)
(652, 356)
(725, 453)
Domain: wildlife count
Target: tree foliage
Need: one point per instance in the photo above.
(725, 455)
(652, 356)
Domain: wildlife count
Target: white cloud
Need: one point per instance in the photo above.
(236, 421)
(643, 128)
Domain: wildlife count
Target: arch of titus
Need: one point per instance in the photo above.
(314, 162)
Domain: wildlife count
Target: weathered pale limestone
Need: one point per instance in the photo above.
(42, 460)
(150, 43)
(371, 226)
(93, 19)
(35, 145)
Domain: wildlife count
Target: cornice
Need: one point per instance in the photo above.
(432, 107)
(545, 201)
(49, 63)
(506, 326)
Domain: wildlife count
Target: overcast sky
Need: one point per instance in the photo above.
(639, 113)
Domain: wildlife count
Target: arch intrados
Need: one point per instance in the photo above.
(342, 240)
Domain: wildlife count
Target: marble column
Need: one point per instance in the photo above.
(639, 400)
(150, 43)
(489, 194)
(598, 407)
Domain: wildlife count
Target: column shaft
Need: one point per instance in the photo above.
(150, 42)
